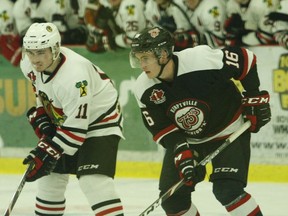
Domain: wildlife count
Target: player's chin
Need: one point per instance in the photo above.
(149, 74)
(38, 68)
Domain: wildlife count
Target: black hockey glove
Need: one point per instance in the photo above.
(257, 109)
(41, 122)
(185, 162)
(44, 157)
(234, 25)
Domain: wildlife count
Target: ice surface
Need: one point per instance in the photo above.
(138, 194)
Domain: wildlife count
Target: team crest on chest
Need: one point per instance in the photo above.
(190, 115)
(130, 10)
(83, 87)
(157, 96)
(56, 114)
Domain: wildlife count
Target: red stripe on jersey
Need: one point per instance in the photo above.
(163, 132)
(236, 116)
(110, 118)
(73, 136)
(245, 65)
(108, 211)
(254, 61)
(239, 203)
(255, 211)
(50, 208)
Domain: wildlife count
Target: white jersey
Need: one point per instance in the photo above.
(79, 98)
(281, 25)
(131, 19)
(73, 17)
(255, 19)
(174, 10)
(26, 13)
(6, 17)
(208, 19)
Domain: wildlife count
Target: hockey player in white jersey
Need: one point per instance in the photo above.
(9, 37)
(246, 22)
(113, 23)
(279, 18)
(208, 19)
(171, 15)
(78, 122)
(190, 105)
(168, 14)
(27, 12)
(130, 18)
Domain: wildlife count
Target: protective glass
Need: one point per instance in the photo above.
(148, 58)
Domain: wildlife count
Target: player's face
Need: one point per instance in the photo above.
(148, 63)
(41, 59)
(192, 4)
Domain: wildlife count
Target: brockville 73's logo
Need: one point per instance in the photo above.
(280, 81)
(190, 115)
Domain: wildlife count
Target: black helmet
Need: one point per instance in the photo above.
(153, 39)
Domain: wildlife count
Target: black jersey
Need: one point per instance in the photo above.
(202, 103)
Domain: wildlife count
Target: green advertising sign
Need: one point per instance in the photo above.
(16, 97)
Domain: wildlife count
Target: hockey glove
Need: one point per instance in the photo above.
(186, 39)
(282, 38)
(257, 109)
(185, 161)
(234, 25)
(44, 157)
(41, 122)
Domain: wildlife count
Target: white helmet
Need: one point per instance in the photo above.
(41, 36)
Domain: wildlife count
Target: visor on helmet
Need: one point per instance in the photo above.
(148, 58)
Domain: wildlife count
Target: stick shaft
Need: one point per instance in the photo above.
(18, 191)
(206, 160)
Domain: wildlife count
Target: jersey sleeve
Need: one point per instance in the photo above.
(241, 63)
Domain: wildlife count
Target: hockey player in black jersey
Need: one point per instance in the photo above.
(190, 105)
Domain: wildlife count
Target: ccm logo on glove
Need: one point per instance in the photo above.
(256, 108)
(256, 100)
(51, 151)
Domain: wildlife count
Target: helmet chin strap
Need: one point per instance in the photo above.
(162, 68)
(54, 59)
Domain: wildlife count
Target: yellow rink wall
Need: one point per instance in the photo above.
(130, 169)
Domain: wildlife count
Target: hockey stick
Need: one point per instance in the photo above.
(206, 160)
(18, 191)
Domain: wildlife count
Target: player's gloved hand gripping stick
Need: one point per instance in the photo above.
(206, 160)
